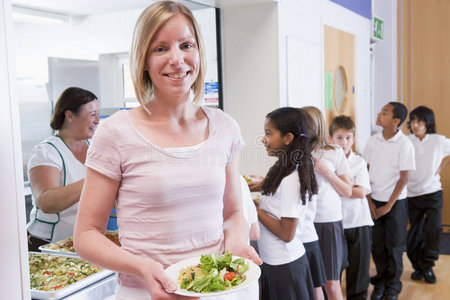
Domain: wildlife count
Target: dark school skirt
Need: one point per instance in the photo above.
(290, 281)
(331, 238)
(316, 265)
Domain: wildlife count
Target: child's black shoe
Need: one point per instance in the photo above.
(429, 276)
(377, 294)
(417, 275)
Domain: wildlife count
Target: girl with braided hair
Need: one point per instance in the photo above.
(287, 187)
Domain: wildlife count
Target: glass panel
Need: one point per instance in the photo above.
(340, 88)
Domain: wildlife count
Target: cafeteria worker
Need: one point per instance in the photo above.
(56, 168)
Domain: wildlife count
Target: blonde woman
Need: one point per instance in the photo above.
(170, 165)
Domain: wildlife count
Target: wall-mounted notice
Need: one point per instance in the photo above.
(212, 93)
(328, 90)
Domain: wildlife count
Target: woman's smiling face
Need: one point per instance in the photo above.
(173, 58)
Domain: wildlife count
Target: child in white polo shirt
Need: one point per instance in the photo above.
(333, 177)
(355, 210)
(425, 193)
(390, 157)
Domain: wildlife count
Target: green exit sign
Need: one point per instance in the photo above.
(378, 28)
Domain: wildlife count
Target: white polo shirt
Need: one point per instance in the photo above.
(386, 159)
(356, 211)
(329, 207)
(306, 230)
(285, 202)
(429, 152)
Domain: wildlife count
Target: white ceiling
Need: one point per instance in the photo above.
(88, 7)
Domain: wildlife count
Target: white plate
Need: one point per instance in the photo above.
(173, 273)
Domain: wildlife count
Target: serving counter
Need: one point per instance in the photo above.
(99, 290)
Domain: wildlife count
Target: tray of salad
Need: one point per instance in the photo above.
(213, 275)
(56, 276)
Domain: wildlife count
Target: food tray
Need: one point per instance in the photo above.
(56, 252)
(70, 289)
(44, 248)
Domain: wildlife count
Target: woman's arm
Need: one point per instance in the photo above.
(284, 228)
(50, 197)
(97, 199)
(342, 183)
(235, 226)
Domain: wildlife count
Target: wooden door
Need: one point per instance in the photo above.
(424, 67)
(339, 62)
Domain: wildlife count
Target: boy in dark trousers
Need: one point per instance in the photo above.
(390, 157)
(357, 220)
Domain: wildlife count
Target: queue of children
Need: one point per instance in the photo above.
(359, 205)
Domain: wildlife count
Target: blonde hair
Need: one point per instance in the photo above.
(320, 126)
(148, 24)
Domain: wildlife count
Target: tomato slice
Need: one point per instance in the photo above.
(47, 272)
(228, 276)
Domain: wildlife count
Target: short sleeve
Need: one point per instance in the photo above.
(103, 155)
(406, 157)
(237, 142)
(249, 209)
(45, 154)
(361, 177)
(290, 200)
(368, 150)
(342, 166)
(446, 147)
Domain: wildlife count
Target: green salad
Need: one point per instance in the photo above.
(214, 273)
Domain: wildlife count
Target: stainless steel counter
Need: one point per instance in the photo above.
(97, 291)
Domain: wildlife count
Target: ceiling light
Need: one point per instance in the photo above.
(29, 15)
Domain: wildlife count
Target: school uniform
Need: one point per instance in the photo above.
(386, 159)
(310, 240)
(425, 200)
(285, 270)
(357, 225)
(328, 219)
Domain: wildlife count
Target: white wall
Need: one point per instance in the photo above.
(14, 282)
(385, 58)
(251, 89)
(256, 64)
(303, 20)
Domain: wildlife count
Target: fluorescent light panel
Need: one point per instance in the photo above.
(29, 15)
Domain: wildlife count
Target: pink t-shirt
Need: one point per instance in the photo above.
(169, 206)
